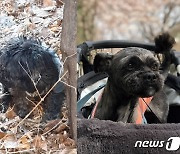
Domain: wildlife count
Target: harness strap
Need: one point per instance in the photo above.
(83, 101)
(142, 107)
(95, 107)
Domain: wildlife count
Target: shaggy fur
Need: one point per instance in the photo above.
(22, 62)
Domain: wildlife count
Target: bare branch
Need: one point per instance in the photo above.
(69, 57)
(42, 99)
(31, 79)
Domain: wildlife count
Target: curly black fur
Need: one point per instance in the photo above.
(24, 61)
(164, 43)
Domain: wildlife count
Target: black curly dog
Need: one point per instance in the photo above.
(25, 63)
(133, 73)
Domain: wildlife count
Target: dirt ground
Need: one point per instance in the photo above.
(42, 19)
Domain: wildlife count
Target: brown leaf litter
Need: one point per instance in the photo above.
(42, 19)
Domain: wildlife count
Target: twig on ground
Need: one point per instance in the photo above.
(22, 151)
(52, 127)
(34, 105)
(9, 122)
(42, 99)
(31, 79)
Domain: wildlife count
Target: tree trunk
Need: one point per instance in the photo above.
(68, 48)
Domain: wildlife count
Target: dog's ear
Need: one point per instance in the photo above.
(102, 62)
(164, 43)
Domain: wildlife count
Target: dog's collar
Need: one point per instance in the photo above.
(141, 108)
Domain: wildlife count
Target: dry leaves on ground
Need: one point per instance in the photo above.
(42, 19)
(33, 136)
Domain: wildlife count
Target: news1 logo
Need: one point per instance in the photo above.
(172, 144)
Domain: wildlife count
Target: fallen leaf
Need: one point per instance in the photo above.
(29, 135)
(23, 140)
(14, 130)
(62, 138)
(25, 146)
(44, 146)
(37, 20)
(54, 25)
(69, 151)
(69, 142)
(59, 51)
(39, 143)
(55, 29)
(59, 3)
(48, 3)
(2, 134)
(61, 128)
(59, 22)
(51, 124)
(10, 141)
(11, 114)
(41, 13)
(24, 143)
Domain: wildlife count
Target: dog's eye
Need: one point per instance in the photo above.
(154, 67)
(130, 66)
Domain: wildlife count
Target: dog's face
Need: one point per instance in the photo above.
(134, 71)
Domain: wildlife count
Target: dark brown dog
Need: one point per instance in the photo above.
(134, 73)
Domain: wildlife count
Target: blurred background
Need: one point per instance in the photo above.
(138, 20)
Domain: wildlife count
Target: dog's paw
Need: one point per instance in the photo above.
(164, 42)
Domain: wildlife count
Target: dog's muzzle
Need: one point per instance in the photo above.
(143, 84)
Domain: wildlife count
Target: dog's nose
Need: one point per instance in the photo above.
(150, 77)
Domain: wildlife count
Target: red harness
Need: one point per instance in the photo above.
(95, 107)
(141, 108)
